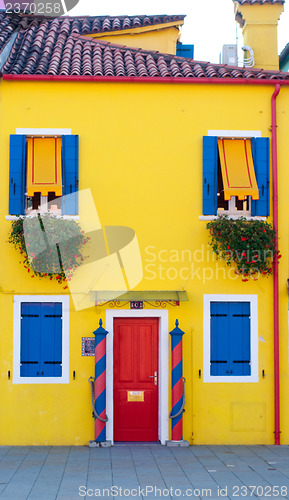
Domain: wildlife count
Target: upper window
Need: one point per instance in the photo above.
(42, 172)
(40, 339)
(230, 339)
(236, 176)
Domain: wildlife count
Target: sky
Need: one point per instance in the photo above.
(209, 23)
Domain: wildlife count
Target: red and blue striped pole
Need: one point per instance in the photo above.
(177, 383)
(100, 383)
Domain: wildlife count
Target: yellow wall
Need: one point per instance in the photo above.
(260, 32)
(140, 151)
(161, 38)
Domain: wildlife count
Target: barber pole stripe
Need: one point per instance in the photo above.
(100, 382)
(177, 382)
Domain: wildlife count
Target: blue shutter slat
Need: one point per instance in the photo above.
(70, 160)
(51, 339)
(30, 340)
(239, 338)
(219, 338)
(17, 175)
(210, 167)
(260, 152)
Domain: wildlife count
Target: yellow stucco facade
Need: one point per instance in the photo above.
(162, 38)
(140, 154)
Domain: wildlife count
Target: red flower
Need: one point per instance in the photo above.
(243, 239)
(228, 247)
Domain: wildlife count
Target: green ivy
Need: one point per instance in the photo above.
(53, 257)
(247, 244)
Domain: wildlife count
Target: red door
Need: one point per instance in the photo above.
(135, 379)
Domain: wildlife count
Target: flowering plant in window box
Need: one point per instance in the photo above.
(249, 245)
(51, 246)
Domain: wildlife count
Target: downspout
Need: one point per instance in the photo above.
(275, 268)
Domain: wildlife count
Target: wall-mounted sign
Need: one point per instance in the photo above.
(135, 396)
(136, 305)
(88, 344)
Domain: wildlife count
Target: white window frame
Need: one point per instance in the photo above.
(18, 300)
(253, 299)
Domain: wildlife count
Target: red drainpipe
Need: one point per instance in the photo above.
(275, 268)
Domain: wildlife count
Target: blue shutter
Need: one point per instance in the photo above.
(41, 339)
(260, 152)
(230, 338)
(51, 339)
(17, 175)
(185, 50)
(30, 340)
(210, 168)
(239, 338)
(70, 174)
(219, 338)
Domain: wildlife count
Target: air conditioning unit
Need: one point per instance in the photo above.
(230, 55)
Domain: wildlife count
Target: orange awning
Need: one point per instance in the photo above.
(237, 168)
(44, 172)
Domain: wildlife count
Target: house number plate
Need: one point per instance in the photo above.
(136, 305)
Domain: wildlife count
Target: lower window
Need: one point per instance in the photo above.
(230, 338)
(41, 339)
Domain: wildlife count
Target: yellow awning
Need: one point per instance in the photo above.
(237, 168)
(44, 172)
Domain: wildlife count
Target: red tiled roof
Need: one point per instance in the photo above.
(88, 24)
(56, 47)
(75, 55)
(251, 2)
(82, 25)
(8, 25)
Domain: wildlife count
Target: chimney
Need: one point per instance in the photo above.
(258, 20)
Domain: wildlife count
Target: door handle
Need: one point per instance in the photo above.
(155, 376)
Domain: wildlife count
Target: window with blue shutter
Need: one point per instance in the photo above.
(213, 195)
(41, 339)
(230, 339)
(19, 203)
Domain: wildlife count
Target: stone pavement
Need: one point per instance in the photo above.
(144, 471)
